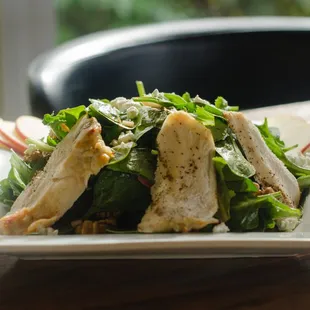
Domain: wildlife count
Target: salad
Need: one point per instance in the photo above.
(155, 163)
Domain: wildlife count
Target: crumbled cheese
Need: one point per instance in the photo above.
(126, 137)
(197, 99)
(159, 95)
(220, 228)
(123, 104)
(47, 231)
(300, 160)
(287, 224)
(128, 123)
(132, 112)
(155, 93)
(114, 142)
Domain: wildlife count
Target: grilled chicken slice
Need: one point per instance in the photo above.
(53, 191)
(184, 196)
(270, 171)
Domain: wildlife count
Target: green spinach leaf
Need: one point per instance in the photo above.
(229, 150)
(139, 161)
(118, 191)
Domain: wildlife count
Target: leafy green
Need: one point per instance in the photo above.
(229, 184)
(304, 182)
(205, 117)
(185, 102)
(229, 150)
(104, 111)
(121, 151)
(106, 114)
(242, 186)
(19, 176)
(110, 132)
(150, 118)
(118, 191)
(250, 212)
(52, 141)
(39, 145)
(139, 161)
(64, 120)
(178, 102)
(140, 88)
(208, 106)
(277, 146)
(219, 130)
(7, 196)
(161, 101)
(224, 193)
(222, 104)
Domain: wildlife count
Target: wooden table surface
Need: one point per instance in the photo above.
(230, 284)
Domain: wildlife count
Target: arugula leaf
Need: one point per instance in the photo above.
(222, 104)
(229, 150)
(139, 161)
(208, 106)
(277, 146)
(64, 120)
(205, 117)
(224, 193)
(179, 102)
(249, 212)
(118, 191)
(140, 88)
(187, 97)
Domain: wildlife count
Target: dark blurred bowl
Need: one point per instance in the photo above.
(252, 62)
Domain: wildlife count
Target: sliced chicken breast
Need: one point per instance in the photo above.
(184, 196)
(270, 171)
(54, 190)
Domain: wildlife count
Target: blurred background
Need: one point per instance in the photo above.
(80, 17)
(31, 27)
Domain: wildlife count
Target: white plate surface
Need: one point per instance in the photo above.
(194, 245)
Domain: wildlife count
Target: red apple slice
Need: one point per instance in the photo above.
(9, 137)
(30, 127)
(5, 144)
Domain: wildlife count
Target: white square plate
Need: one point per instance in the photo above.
(193, 245)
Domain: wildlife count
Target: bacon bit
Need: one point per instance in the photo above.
(144, 182)
(64, 127)
(305, 148)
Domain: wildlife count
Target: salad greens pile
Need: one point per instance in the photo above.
(130, 128)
